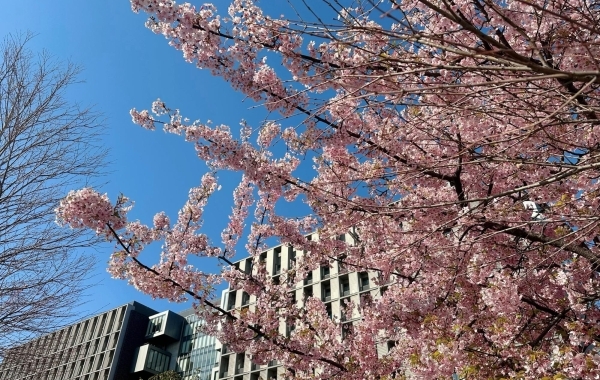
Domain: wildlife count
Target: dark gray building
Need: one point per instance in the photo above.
(130, 342)
(98, 348)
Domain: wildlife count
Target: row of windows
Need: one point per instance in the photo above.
(364, 285)
(324, 271)
(276, 267)
(90, 329)
(157, 361)
(236, 365)
(52, 360)
(269, 374)
(67, 348)
(74, 335)
(199, 342)
(198, 362)
(91, 368)
(100, 375)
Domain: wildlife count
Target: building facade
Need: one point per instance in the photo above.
(131, 342)
(98, 348)
(135, 342)
(334, 284)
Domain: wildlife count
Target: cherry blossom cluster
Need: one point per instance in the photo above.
(86, 208)
(458, 141)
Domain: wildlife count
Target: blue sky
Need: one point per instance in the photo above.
(125, 66)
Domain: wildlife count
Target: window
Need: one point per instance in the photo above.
(391, 344)
(277, 261)
(113, 340)
(157, 361)
(224, 372)
(293, 297)
(231, 299)
(325, 272)
(239, 363)
(155, 325)
(383, 289)
(92, 329)
(186, 344)
(292, 259)
(341, 237)
(245, 299)
(248, 267)
(262, 259)
(342, 267)
(308, 292)
(290, 329)
(363, 281)
(78, 368)
(99, 361)
(344, 286)
(102, 325)
(183, 364)
(325, 291)
(121, 316)
(366, 299)
(309, 278)
(329, 310)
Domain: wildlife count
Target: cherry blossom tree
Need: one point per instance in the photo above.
(458, 140)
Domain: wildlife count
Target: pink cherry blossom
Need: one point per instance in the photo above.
(456, 143)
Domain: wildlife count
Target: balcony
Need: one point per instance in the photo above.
(150, 359)
(164, 328)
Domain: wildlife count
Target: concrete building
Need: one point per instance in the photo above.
(135, 342)
(130, 342)
(334, 284)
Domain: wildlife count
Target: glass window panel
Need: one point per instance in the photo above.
(363, 280)
(111, 322)
(155, 325)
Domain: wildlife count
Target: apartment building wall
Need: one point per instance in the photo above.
(333, 284)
